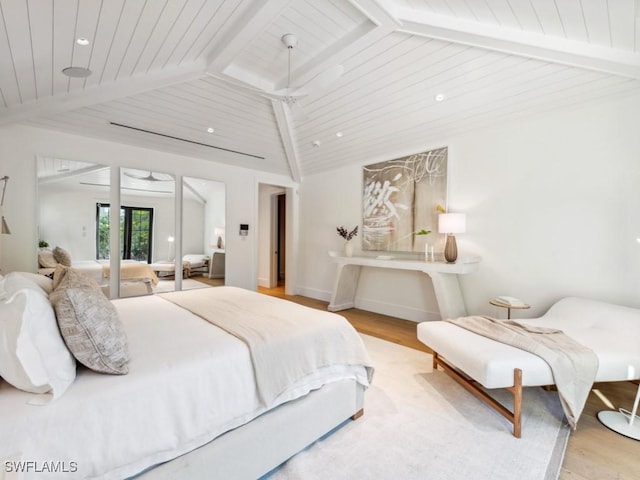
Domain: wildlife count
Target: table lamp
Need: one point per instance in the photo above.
(449, 224)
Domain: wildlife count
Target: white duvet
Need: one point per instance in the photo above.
(189, 382)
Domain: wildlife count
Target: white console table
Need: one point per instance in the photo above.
(444, 277)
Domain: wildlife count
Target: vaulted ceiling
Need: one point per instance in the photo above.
(164, 71)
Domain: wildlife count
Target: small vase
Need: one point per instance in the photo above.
(348, 249)
(429, 253)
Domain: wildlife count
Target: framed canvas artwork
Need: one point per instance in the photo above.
(400, 198)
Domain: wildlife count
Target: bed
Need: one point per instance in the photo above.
(480, 363)
(193, 404)
(191, 264)
(99, 270)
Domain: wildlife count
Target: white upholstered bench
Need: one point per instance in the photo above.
(479, 363)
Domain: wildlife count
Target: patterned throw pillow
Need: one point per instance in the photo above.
(89, 323)
(46, 259)
(62, 256)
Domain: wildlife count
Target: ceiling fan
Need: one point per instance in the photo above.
(291, 94)
(149, 178)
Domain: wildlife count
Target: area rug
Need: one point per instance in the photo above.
(420, 424)
(169, 285)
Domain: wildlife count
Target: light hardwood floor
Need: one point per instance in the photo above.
(593, 453)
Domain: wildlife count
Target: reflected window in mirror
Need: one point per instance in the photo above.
(147, 231)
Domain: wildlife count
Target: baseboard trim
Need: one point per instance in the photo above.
(395, 310)
(384, 308)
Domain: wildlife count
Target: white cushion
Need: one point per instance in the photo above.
(611, 331)
(33, 356)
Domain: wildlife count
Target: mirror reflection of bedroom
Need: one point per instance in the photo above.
(75, 218)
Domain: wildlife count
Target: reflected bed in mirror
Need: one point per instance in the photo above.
(75, 211)
(203, 220)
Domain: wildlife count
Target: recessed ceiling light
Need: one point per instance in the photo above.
(210, 130)
(82, 41)
(339, 134)
(316, 143)
(76, 72)
(439, 97)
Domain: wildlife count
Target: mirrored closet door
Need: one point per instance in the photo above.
(147, 232)
(203, 232)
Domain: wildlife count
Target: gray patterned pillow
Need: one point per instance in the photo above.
(90, 325)
(62, 256)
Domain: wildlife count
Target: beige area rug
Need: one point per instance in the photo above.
(420, 424)
(169, 285)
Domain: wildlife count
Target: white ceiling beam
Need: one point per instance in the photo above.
(381, 12)
(255, 19)
(516, 42)
(102, 93)
(283, 120)
(70, 174)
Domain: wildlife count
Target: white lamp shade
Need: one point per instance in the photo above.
(451, 223)
(218, 231)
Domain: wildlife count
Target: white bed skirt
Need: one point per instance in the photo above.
(254, 449)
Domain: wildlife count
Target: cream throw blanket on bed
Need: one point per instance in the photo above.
(132, 271)
(573, 365)
(287, 341)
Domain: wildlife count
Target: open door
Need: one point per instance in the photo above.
(272, 231)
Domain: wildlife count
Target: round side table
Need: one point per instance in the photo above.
(509, 307)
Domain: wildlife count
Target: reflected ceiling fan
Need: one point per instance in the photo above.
(291, 94)
(149, 178)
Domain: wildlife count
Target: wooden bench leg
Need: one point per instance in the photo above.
(514, 417)
(516, 390)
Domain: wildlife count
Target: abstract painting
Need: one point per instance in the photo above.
(400, 198)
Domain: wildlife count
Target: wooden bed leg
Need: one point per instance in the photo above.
(435, 361)
(358, 414)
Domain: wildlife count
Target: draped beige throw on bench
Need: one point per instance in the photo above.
(573, 365)
(287, 341)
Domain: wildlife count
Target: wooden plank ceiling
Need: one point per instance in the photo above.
(164, 71)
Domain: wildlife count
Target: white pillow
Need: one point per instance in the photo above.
(42, 281)
(14, 281)
(33, 356)
(194, 258)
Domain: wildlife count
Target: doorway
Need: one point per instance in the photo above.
(273, 230)
(281, 237)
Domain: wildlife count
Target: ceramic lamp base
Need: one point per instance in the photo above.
(451, 249)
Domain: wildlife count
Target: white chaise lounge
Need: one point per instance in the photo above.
(479, 363)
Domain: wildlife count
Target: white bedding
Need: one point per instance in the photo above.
(170, 402)
(93, 268)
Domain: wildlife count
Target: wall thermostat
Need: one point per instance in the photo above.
(244, 229)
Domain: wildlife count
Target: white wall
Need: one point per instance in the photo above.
(552, 208)
(19, 146)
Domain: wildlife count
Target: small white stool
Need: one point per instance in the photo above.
(621, 421)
